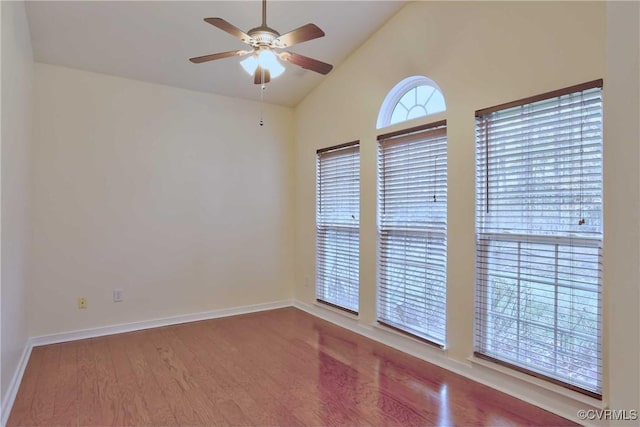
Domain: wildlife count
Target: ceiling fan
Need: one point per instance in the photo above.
(267, 43)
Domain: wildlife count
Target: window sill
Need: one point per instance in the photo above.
(335, 310)
(578, 397)
(377, 326)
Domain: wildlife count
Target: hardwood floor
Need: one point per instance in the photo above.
(281, 367)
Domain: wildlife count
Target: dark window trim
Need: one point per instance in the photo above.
(330, 304)
(553, 94)
(412, 335)
(537, 375)
(338, 147)
(414, 129)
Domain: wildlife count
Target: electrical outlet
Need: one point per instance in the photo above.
(307, 281)
(82, 302)
(118, 295)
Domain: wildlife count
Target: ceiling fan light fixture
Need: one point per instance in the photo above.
(250, 64)
(266, 59)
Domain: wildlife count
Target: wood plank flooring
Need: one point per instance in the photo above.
(275, 368)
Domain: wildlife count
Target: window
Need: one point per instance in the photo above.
(413, 97)
(412, 231)
(338, 226)
(539, 236)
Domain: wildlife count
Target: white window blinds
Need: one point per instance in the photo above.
(338, 226)
(412, 231)
(539, 236)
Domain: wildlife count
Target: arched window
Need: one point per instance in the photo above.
(413, 97)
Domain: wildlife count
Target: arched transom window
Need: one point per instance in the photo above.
(413, 97)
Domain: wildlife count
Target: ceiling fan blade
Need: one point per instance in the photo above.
(229, 28)
(299, 35)
(258, 78)
(205, 58)
(306, 62)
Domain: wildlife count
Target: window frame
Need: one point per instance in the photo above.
(484, 239)
(327, 227)
(395, 95)
(416, 232)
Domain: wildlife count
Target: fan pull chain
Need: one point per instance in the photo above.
(262, 88)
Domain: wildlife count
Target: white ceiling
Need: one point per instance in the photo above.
(152, 40)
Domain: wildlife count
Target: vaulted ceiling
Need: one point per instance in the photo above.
(152, 40)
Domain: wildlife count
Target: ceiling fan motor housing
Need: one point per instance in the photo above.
(262, 36)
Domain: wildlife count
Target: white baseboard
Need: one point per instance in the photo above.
(555, 399)
(155, 323)
(14, 385)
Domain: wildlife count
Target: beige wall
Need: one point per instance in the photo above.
(179, 198)
(622, 203)
(17, 74)
(480, 54)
